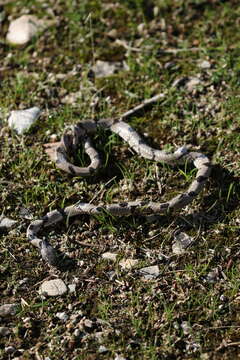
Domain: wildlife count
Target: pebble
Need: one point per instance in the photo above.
(62, 316)
(181, 242)
(119, 357)
(54, 287)
(8, 310)
(102, 349)
(109, 256)
(128, 263)
(4, 331)
(6, 223)
(150, 272)
(77, 332)
(106, 68)
(88, 323)
(22, 120)
(72, 288)
(205, 64)
(9, 349)
(192, 83)
(22, 29)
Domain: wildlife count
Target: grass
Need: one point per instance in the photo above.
(182, 314)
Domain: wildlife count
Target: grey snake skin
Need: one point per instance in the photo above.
(79, 133)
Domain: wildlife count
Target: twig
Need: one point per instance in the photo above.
(226, 345)
(145, 103)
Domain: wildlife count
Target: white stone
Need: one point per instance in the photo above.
(106, 68)
(9, 349)
(8, 310)
(62, 316)
(181, 242)
(72, 288)
(205, 64)
(150, 272)
(110, 256)
(119, 357)
(192, 83)
(102, 349)
(54, 287)
(21, 30)
(21, 120)
(6, 223)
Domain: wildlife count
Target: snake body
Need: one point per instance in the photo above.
(80, 133)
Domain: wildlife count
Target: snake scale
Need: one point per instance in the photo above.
(79, 133)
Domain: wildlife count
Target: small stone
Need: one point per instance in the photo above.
(88, 323)
(6, 223)
(109, 256)
(54, 287)
(205, 64)
(22, 30)
(102, 349)
(62, 316)
(192, 83)
(113, 34)
(53, 138)
(150, 272)
(181, 242)
(22, 120)
(4, 331)
(106, 68)
(8, 310)
(72, 288)
(9, 349)
(119, 357)
(223, 298)
(77, 332)
(140, 28)
(128, 263)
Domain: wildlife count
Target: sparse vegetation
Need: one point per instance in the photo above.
(191, 310)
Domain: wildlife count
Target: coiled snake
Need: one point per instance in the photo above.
(79, 133)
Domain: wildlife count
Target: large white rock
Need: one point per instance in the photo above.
(21, 30)
(21, 120)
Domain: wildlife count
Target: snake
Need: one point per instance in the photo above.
(80, 133)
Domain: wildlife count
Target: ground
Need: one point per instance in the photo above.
(188, 50)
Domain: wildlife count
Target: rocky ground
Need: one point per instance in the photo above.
(156, 287)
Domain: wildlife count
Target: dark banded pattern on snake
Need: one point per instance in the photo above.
(80, 133)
